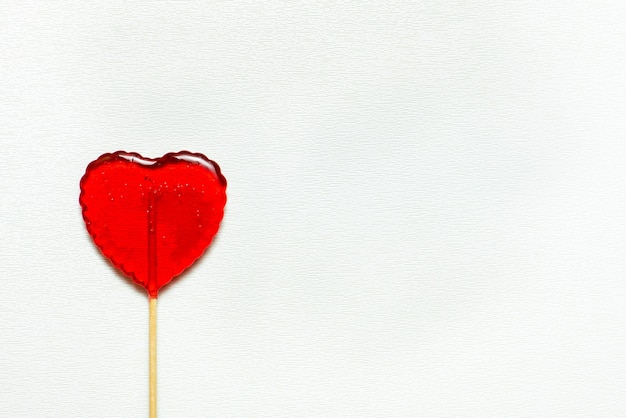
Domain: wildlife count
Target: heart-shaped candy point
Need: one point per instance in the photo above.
(152, 218)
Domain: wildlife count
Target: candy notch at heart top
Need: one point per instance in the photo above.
(152, 218)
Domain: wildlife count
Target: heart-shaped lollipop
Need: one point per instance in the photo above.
(152, 218)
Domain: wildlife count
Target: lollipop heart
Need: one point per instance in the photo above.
(152, 218)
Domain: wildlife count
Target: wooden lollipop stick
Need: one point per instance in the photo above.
(153, 376)
(152, 275)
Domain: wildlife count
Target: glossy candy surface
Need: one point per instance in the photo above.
(152, 218)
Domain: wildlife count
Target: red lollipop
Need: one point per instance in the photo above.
(152, 218)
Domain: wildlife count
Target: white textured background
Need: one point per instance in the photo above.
(426, 216)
